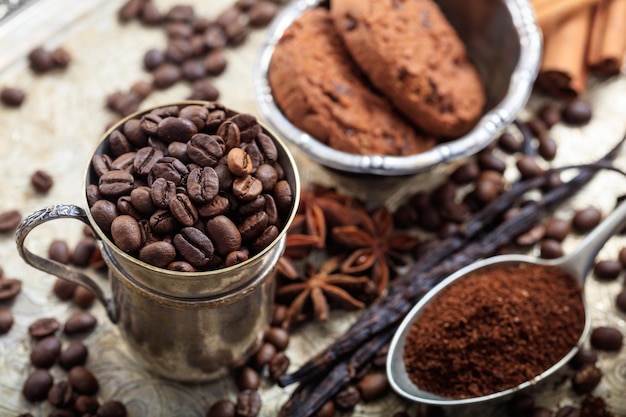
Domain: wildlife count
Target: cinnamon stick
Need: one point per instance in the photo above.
(549, 12)
(563, 71)
(607, 40)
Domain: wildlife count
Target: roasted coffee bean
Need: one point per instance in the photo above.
(203, 185)
(93, 194)
(620, 301)
(549, 114)
(9, 220)
(162, 222)
(126, 233)
(9, 288)
(161, 194)
(252, 226)
(83, 297)
(584, 357)
(271, 209)
(205, 150)
(215, 38)
(104, 212)
(255, 154)
(82, 380)
(79, 323)
(267, 147)
(215, 62)
(348, 398)
(192, 70)
(125, 206)
(466, 173)
(181, 266)
(528, 167)
(326, 410)
(224, 234)
(43, 327)
(537, 126)
(64, 289)
(576, 112)
(176, 129)
(134, 133)
(490, 162)
(170, 169)
(262, 13)
(61, 57)
(112, 409)
(373, 386)
(531, 236)
(278, 365)
(219, 205)
(236, 257)
(40, 60)
(12, 97)
(179, 30)
(83, 251)
(60, 412)
(37, 385)
(145, 159)
(194, 246)
(265, 239)
(59, 251)
(130, 10)
(116, 183)
(278, 337)
(6, 321)
(606, 338)
(279, 313)
(586, 219)
(558, 229)
(547, 148)
(222, 408)
(239, 162)
(180, 13)
(166, 75)
(268, 177)
(119, 144)
(263, 355)
(550, 249)
(509, 143)
(586, 379)
(45, 352)
(141, 88)
(489, 185)
(158, 254)
(86, 405)
(607, 269)
(204, 89)
(61, 394)
(248, 403)
(621, 256)
(567, 411)
(247, 378)
(183, 210)
(73, 355)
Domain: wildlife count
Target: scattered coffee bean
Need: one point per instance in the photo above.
(547, 148)
(61, 394)
(509, 143)
(83, 297)
(41, 181)
(576, 113)
(9, 220)
(558, 229)
(606, 338)
(348, 398)
(327, 410)
(86, 405)
(40, 60)
(64, 289)
(373, 386)
(488, 161)
(541, 412)
(248, 403)
(583, 358)
(466, 173)
(9, 288)
(61, 57)
(222, 408)
(528, 167)
(263, 355)
(6, 321)
(83, 380)
(550, 115)
(586, 379)
(59, 251)
(621, 256)
(247, 378)
(45, 352)
(262, 13)
(585, 220)
(80, 322)
(112, 409)
(37, 385)
(83, 251)
(568, 411)
(531, 236)
(279, 313)
(12, 97)
(43, 327)
(73, 355)
(278, 365)
(550, 249)
(607, 269)
(278, 337)
(620, 301)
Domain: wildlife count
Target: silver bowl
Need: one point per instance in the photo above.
(502, 39)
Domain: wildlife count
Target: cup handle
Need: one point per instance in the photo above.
(55, 268)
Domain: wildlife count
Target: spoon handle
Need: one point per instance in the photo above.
(579, 262)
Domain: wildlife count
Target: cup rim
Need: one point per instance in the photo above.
(296, 190)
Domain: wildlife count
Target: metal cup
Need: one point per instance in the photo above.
(186, 326)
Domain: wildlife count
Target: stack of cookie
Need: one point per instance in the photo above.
(376, 77)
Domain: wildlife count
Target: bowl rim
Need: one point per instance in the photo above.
(483, 133)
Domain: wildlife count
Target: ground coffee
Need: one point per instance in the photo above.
(494, 330)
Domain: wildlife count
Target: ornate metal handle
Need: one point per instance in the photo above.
(61, 211)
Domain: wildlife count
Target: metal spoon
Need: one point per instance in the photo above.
(577, 264)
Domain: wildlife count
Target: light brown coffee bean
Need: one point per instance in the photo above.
(41, 181)
(373, 386)
(9, 220)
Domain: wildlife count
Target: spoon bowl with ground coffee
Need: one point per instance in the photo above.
(497, 326)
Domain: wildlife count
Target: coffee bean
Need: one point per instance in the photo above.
(64, 289)
(83, 251)
(532, 236)
(622, 256)
(61, 57)
(490, 162)
(278, 337)
(222, 408)
(586, 379)
(192, 70)
(43, 327)
(37, 385)
(215, 62)
(83, 297)
(509, 143)
(576, 112)
(247, 378)
(204, 89)
(141, 88)
(80, 322)
(170, 169)
(126, 233)
(224, 234)
(558, 229)
(61, 394)
(620, 301)
(279, 314)
(489, 185)
(550, 249)
(262, 13)
(158, 254)
(59, 251)
(547, 148)
(265, 239)
(162, 222)
(549, 114)
(278, 365)
(9, 288)
(584, 357)
(194, 246)
(567, 411)
(9, 220)
(73, 355)
(145, 159)
(40, 60)
(45, 352)
(130, 10)
(248, 403)
(263, 355)
(166, 75)
(6, 321)
(239, 162)
(585, 220)
(528, 167)
(112, 409)
(466, 173)
(82, 380)
(267, 147)
(176, 129)
(348, 398)
(116, 183)
(373, 386)
(183, 210)
(606, 338)
(86, 405)
(607, 269)
(12, 97)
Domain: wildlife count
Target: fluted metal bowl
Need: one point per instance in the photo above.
(502, 39)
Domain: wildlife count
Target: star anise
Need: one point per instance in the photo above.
(319, 289)
(377, 246)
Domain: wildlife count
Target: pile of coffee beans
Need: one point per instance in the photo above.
(190, 188)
